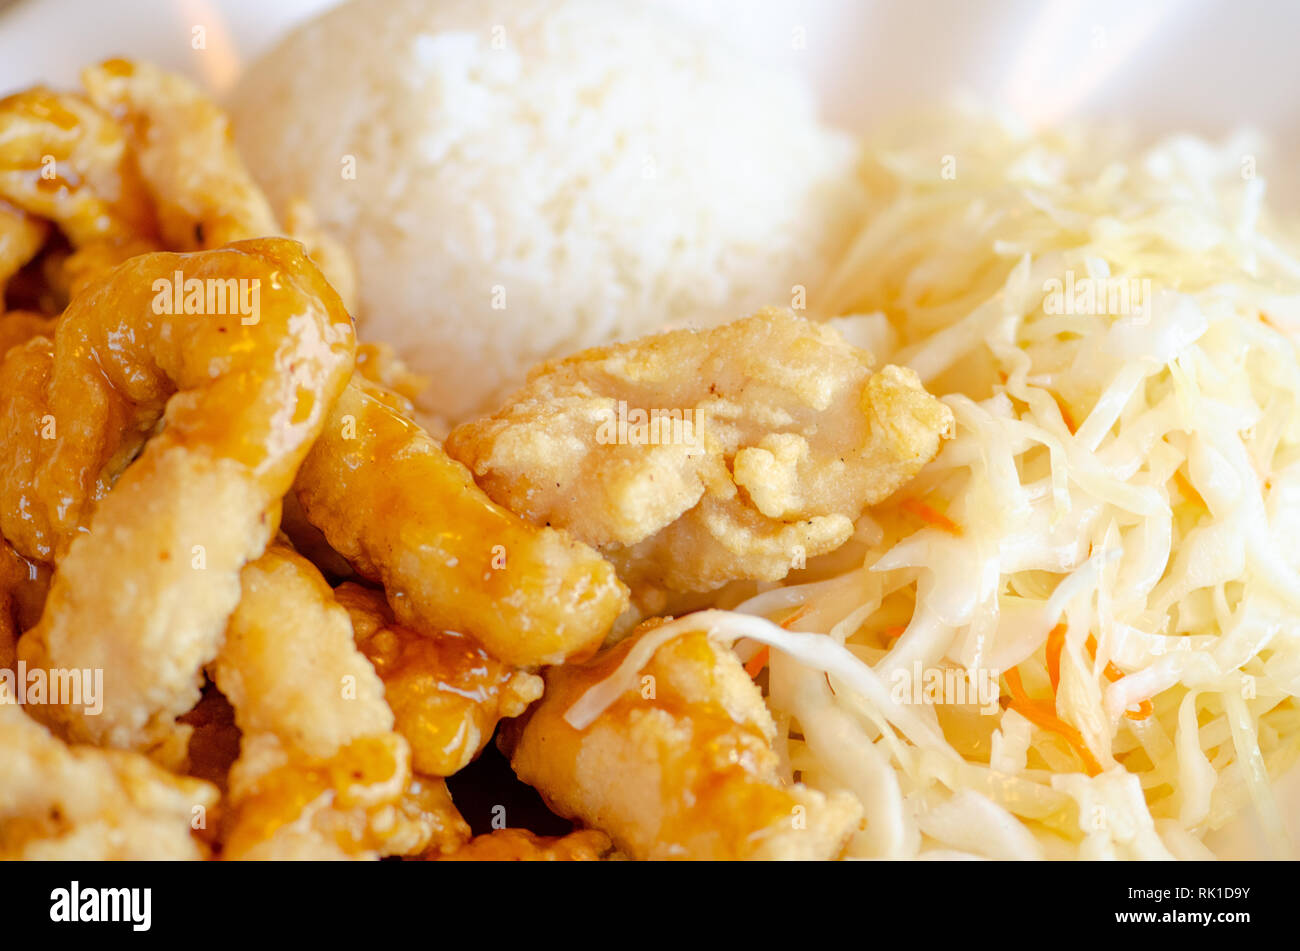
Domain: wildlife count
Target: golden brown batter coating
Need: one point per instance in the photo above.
(405, 514)
(147, 457)
(289, 665)
(446, 692)
(435, 826)
(777, 436)
(520, 845)
(284, 804)
(681, 766)
(66, 161)
(202, 194)
(320, 773)
(145, 590)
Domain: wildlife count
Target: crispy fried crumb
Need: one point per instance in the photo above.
(520, 845)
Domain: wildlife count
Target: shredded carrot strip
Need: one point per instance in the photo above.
(760, 660)
(797, 616)
(1066, 416)
(1040, 714)
(927, 514)
(1144, 710)
(1114, 675)
(1055, 644)
(1185, 486)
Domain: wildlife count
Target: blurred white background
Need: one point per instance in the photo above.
(1200, 64)
(1207, 66)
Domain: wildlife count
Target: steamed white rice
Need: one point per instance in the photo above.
(523, 179)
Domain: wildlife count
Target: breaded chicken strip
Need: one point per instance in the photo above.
(286, 805)
(520, 845)
(203, 195)
(403, 513)
(680, 766)
(144, 161)
(78, 802)
(146, 454)
(202, 192)
(321, 774)
(430, 814)
(361, 802)
(772, 436)
(289, 665)
(446, 692)
(65, 161)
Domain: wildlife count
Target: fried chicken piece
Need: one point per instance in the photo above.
(143, 161)
(446, 692)
(320, 773)
(436, 825)
(680, 766)
(19, 326)
(286, 805)
(65, 161)
(362, 802)
(77, 410)
(25, 418)
(21, 237)
(520, 845)
(203, 195)
(406, 515)
(289, 666)
(62, 802)
(202, 191)
(773, 436)
(146, 591)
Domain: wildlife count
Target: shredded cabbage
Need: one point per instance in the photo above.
(1126, 471)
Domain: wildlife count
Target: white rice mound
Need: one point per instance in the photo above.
(538, 176)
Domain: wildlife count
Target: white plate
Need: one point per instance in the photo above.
(1194, 65)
